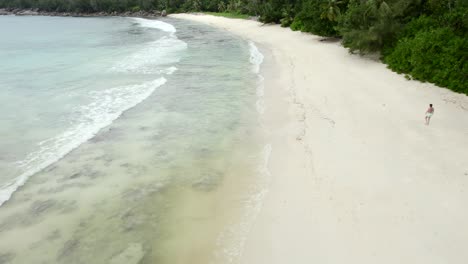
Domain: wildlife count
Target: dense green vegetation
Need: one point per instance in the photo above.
(229, 15)
(424, 39)
(83, 5)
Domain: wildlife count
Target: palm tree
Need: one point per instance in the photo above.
(331, 10)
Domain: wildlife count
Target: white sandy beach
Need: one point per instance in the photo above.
(356, 176)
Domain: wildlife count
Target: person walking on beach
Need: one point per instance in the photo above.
(429, 113)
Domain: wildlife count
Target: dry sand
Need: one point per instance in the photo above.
(356, 176)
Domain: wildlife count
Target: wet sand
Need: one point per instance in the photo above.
(356, 176)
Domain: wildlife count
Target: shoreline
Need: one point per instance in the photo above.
(98, 189)
(37, 12)
(356, 176)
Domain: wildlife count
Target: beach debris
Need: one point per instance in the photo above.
(133, 254)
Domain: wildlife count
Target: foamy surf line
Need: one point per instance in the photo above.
(153, 23)
(163, 51)
(256, 59)
(107, 107)
(232, 240)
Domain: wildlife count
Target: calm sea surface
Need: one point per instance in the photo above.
(123, 140)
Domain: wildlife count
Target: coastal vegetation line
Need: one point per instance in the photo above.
(426, 40)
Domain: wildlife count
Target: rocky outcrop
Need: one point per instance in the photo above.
(36, 12)
(4, 12)
(27, 13)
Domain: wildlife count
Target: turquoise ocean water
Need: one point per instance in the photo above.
(123, 140)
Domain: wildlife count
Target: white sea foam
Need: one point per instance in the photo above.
(166, 50)
(232, 240)
(152, 23)
(106, 106)
(256, 59)
(169, 70)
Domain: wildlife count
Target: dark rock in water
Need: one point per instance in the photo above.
(13, 221)
(54, 235)
(208, 181)
(93, 174)
(105, 159)
(133, 254)
(87, 171)
(67, 206)
(110, 134)
(40, 207)
(162, 153)
(6, 258)
(50, 168)
(35, 212)
(202, 152)
(137, 194)
(125, 165)
(68, 248)
(135, 170)
(63, 187)
(131, 220)
(75, 175)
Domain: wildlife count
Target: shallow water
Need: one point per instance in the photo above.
(177, 150)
